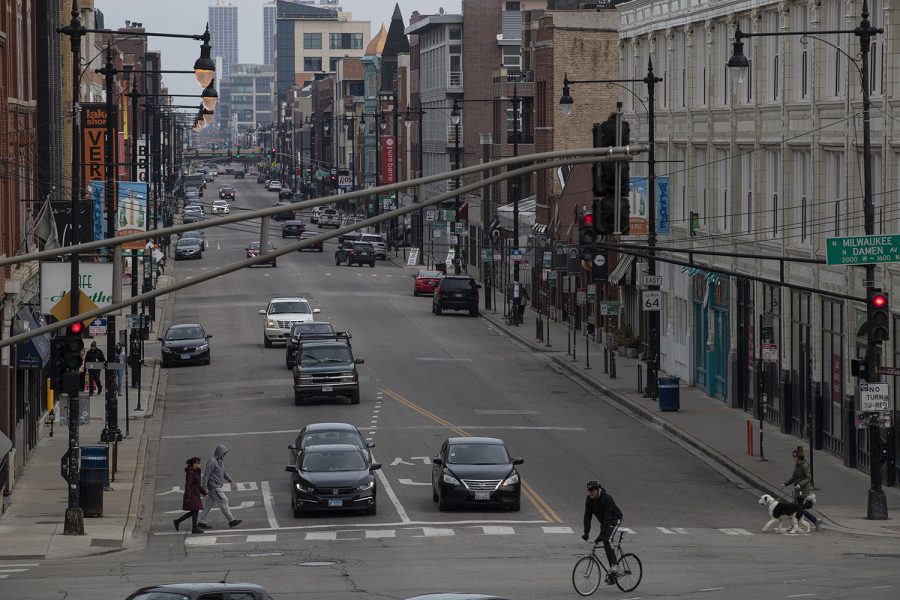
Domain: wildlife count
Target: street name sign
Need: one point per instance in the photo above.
(863, 249)
(874, 397)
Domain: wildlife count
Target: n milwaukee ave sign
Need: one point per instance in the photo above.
(863, 249)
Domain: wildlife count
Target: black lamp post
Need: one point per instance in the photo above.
(420, 229)
(566, 104)
(738, 65)
(455, 118)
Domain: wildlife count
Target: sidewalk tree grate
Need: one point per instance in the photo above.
(23, 556)
(106, 543)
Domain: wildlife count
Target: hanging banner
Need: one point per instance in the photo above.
(640, 206)
(131, 211)
(95, 193)
(142, 160)
(388, 156)
(93, 141)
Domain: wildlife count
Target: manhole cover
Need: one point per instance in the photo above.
(318, 563)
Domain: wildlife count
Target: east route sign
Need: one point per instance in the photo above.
(863, 250)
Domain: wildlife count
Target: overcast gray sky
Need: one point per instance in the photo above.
(189, 16)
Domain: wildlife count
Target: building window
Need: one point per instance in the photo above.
(312, 64)
(333, 63)
(773, 162)
(701, 64)
(513, 6)
(455, 74)
(834, 63)
(661, 67)
(345, 41)
(882, 226)
(722, 52)
(722, 165)
(800, 13)
(679, 188)
(312, 41)
(701, 182)
(357, 89)
(876, 50)
(774, 44)
(834, 164)
(800, 231)
(747, 177)
(511, 57)
(455, 33)
(746, 96)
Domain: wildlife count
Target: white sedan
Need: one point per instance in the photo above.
(220, 207)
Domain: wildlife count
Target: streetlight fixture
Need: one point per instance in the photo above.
(738, 65)
(205, 67)
(454, 113)
(206, 115)
(210, 96)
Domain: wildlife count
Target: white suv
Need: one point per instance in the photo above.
(377, 241)
(281, 314)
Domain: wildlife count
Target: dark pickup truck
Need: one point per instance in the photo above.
(310, 330)
(326, 367)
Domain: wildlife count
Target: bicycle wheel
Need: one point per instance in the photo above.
(630, 572)
(586, 575)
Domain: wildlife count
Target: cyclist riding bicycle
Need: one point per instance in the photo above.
(601, 505)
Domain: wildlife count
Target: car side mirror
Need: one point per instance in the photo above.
(518, 461)
(291, 468)
(262, 311)
(317, 311)
(374, 466)
(292, 447)
(478, 285)
(208, 335)
(437, 460)
(160, 339)
(370, 444)
(359, 361)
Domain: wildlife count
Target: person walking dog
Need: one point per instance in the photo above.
(194, 493)
(800, 479)
(214, 478)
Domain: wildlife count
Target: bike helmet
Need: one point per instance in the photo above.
(593, 484)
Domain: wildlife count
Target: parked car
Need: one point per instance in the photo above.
(220, 207)
(325, 367)
(239, 174)
(292, 229)
(286, 194)
(185, 343)
(426, 282)
(262, 178)
(253, 250)
(286, 215)
(316, 211)
(334, 478)
(318, 434)
(273, 185)
(226, 192)
(188, 248)
(360, 253)
(475, 471)
(456, 292)
(281, 315)
(201, 591)
(304, 332)
(317, 246)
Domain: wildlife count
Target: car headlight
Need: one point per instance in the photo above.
(365, 486)
(165, 349)
(203, 347)
(448, 478)
(302, 488)
(511, 480)
(270, 323)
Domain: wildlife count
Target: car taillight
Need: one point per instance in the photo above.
(476, 295)
(435, 281)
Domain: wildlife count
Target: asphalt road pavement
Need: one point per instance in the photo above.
(426, 378)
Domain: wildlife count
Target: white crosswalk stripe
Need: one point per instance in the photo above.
(735, 531)
(6, 570)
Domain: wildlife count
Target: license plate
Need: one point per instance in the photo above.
(327, 388)
(482, 495)
(185, 356)
(458, 295)
(335, 503)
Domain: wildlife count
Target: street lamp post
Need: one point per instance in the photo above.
(421, 214)
(738, 65)
(566, 105)
(516, 187)
(455, 118)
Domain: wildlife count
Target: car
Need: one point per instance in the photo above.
(188, 248)
(334, 478)
(457, 596)
(281, 315)
(316, 211)
(209, 177)
(286, 215)
(306, 235)
(253, 250)
(359, 253)
(286, 194)
(350, 235)
(239, 175)
(185, 343)
(317, 434)
(197, 234)
(326, 367)
(456, 292)
(192, 217)
(226, 192)
(292, 229)
(426, 282)
(262, 178)
(273, 185)
(377, 242)
(329, 217)
(303, 332)
(201, 591)
(220, 207)
(192, 193)
(475, 471)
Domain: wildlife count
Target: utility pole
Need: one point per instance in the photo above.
(516, 189)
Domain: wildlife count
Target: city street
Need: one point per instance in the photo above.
(426, 378)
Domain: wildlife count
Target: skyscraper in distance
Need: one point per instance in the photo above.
(223, 28)
(269, 33)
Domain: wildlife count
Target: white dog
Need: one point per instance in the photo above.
(778, 510)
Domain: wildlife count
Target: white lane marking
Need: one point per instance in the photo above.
(246, 486)
(218, 246)
(735, 531)
(436, 532)
(12, 570)
(673, 531)
(321, 535)
(262, 537)
(549, 529)
(406, 525)
(244, 504)
(202, 540)
(715, 589)
(13, 566)
(401, 512)
(881, 587)
(497, 530)
(269, 504)
(380, 533)
(411, 482)
(800, 596)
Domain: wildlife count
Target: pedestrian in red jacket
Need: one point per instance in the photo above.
(194, 494)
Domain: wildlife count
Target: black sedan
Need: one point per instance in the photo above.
(185, 343)
(333, 478)
(189, 248)
(238, 174)
(318, 434)
(475, 471)
(292, 229)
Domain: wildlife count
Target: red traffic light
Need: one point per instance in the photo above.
(587, 219)
(879, 301)
(76, 327)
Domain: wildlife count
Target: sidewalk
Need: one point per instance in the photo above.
(716, 432)
(33, 524)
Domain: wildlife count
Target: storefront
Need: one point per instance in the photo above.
(28, 391)
(712, 332)
(828, 417)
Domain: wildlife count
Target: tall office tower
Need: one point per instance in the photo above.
(223, 27)
(269, 33)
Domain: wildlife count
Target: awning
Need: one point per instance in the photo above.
(526, 213)
(622, 268)
(32, 353)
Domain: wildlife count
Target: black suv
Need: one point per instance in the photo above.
(456, 293)
(304, 332)
(325, 367)
(360, 253)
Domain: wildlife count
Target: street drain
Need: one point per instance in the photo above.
(318, 563)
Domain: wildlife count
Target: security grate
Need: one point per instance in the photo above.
(105, 543)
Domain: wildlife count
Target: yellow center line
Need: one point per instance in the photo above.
(539, 503)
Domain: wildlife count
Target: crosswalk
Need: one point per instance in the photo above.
(9, 569)
(211, 538)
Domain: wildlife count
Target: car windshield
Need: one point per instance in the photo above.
(429, 274)
(310, 357)
(191, 235)
(160, 596)
(457, 285)
(281, 308)
(255, 246)
(317, 438)
(184, 333)
(306, 328)
(319, 462)
(478, 454)
(187, 243)
(220, 203)
(372, 238)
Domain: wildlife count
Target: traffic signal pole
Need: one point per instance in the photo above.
(653, 319)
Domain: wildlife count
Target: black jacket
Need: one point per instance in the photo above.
(94, 355)
(604, 508)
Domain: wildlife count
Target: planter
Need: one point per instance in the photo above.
(631, 352)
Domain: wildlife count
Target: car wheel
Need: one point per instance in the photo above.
(434, 495)
(266, 342)
(274, 264)
(354, 397)
(207, 361)
(438, 310)
(516, 507)
(372, 509)
(442, 506)
(372, 264)
(297, 513)
(337, 261)
(321, 249)
(164, 364)
(298, 399)
(433, 311)
(415, 293)
(473, 312)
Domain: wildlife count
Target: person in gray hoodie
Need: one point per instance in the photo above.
(213, 480)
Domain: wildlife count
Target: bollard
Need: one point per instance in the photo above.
(749, 437)
(640, 377)
(612, 364)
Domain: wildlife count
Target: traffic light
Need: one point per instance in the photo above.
(237, 151)
(878, 311)
(71, 361)
(587, 236)
(57, 361)
(604, 179)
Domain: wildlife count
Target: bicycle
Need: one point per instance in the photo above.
(589, 571)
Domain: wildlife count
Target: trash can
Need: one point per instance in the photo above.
(669, 398)
(94, 478)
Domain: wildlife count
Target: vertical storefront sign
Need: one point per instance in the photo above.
(388, 155)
